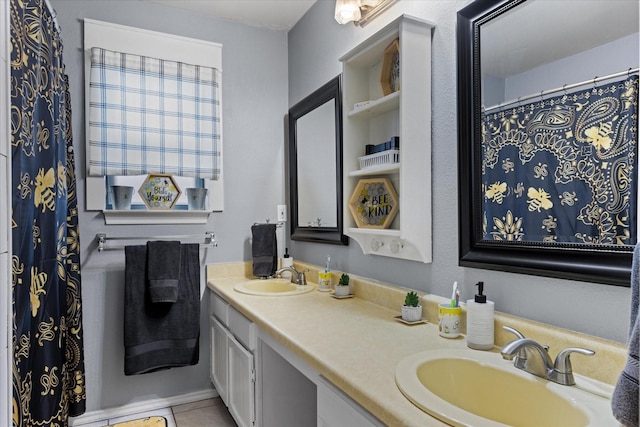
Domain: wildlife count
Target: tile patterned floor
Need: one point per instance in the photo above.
(210, 412)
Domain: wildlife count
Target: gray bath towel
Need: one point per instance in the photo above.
(161, 335)
(163, 270)
(264, 249)
(624, 401)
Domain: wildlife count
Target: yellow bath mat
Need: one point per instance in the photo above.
(143, 422)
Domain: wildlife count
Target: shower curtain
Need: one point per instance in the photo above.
(563, 169)
(48, 356)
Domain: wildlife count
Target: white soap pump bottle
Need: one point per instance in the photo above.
(287, 261)
(480, 335)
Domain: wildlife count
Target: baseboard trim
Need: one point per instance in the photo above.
(137, 407)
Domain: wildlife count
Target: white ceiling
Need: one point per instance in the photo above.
(272, 14)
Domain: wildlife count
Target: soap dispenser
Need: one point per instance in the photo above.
(480, 321)
(324, 277)
(287, 261)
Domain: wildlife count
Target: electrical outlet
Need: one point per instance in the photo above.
(282, 213)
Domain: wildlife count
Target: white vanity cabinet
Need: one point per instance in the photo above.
(405, 113)
(233, 341)
(264, 384)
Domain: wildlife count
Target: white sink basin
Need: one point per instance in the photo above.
(480, 389)
(272, 287)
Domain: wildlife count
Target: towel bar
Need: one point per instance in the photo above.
(278, 224)
(209, 239)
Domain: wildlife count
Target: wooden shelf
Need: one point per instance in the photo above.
(377, 170)
(379, 106)
(389, 232)
(144, 216)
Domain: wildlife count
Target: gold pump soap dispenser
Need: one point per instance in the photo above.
(480, 321)
(324, 277)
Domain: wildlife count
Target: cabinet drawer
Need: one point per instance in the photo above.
(243, 329)
(219, 308)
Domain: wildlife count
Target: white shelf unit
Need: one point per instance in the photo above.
(405, 113)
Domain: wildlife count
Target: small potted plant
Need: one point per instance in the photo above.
(342, 287)
(412, 310)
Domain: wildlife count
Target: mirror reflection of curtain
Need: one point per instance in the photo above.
(48, 358)
(563, 169)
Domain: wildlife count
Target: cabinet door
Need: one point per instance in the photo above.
(336, 409)
(219, 359)
(241, 384)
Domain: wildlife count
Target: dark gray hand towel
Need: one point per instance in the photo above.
(163, 270)
(161, 336)
(624, 401)
(264, 249)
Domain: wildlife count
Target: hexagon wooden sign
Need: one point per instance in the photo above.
(159, 191)
(374, 203)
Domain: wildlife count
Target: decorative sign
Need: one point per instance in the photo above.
(374, 203)
(390, 74)
(159, 191)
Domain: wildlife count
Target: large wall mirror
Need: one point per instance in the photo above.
(315, 166)
(548, 137)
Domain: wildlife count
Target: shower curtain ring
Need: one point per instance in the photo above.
(629, 72)
(564, 89)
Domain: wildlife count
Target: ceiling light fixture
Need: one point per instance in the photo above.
(360, 11)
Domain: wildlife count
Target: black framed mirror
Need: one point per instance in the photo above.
(315, 166)
(492, 35)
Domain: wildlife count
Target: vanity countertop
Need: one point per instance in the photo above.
(355, 343)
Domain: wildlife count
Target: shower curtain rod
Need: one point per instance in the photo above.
(209, 239)
(564, 88)
(54, 15)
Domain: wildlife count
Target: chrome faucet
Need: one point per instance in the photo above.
(524, 351)
(299, 279)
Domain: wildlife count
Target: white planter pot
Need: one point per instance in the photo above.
(342, 291)
(411, 314)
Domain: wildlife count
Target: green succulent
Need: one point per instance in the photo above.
(344, 280)
(412, 300)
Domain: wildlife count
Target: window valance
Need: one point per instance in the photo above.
(153, 115)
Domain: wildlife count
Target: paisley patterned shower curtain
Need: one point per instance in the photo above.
(48, 368)
(564, 169)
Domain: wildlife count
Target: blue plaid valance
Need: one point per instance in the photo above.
(150, 115)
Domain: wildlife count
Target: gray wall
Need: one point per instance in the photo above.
(315, 45)
(610, 58)
(254, 102)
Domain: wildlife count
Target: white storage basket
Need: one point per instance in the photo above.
(379, 159)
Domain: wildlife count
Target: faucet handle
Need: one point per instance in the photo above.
(302, 279)
(562, 366)
(563, 362)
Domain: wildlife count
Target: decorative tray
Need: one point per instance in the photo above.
(417, 322)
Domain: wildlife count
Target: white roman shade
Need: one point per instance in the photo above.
(149, 115)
